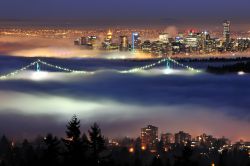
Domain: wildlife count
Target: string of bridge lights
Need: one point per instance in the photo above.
(185, 66)
(17, 71)
(157, 63)
(63, 68)
(133, 70)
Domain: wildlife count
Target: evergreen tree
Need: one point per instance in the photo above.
(5, 150)
(74, 150)
(85, 142)
(4, 145)
(51, 151)
(160, 147)
(97, 143)
(29, 157)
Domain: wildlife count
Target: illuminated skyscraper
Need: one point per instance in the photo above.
(135, 40)
(167, 138)
(91, 40)
(124, 43)
(182, 138)
(108, 41)
(226, 31)
(149, 138)
(163, 37)
(109, 35)
(83, 40)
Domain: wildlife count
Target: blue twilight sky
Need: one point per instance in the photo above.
(112, 10)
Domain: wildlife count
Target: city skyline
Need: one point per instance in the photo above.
(124, 83)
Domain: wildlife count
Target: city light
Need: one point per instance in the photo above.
(131, 150)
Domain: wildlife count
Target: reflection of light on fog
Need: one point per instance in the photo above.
(63, 107)
(48, 76)
(241, 73)
(37, 76)
(199, 119)
(165, 71)
(168, 71)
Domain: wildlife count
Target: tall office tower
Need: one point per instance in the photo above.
(182, 138)
(163, 37)
(108, 40)
(149, 138)
(109, 35)
(124, 43)
(226, 31)
(135, 40)
(91, 40)
(83, 40)
(167, 138)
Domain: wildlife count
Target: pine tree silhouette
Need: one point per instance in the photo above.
(97, 143)
(52, 150)
(74, 149)
(5, 150)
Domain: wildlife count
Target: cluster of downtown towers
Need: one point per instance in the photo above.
(150, 141)
(191, 42)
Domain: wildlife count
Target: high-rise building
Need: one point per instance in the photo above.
(83, 40)
(163, 37)
(226, 31)
(182, 137)
(192, 42)
(207, 44)
(109, 35)
(149, 138)
(146, 46)
(135, 40)
(123, 43)
(107, 44)
(91, 41)
(167, 138)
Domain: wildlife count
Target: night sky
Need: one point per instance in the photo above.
(199, 11)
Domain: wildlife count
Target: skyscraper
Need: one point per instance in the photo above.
(167, 138)
(124, 43)
(226, 31)
(109, 35)
(163, 37)
(182, 137)
(149, 137)
(91, 41)
(83, 40)
(135, 40)
(107, 41)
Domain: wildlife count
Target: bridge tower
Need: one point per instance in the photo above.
(38, 68)
(168, 65)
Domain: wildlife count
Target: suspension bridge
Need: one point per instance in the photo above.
(38, 63)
